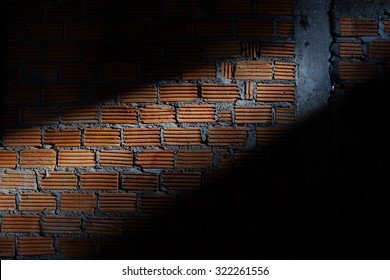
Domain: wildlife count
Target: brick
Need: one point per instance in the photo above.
(140, 181)
(157, 114)
(78, 72)
(155, 159)
(77, 248)
(61, 224)
(63, 53)
(157, 203)
(42, 158)
(227, 136)
(222, 49)
(285, 115)
(285, 28)
(7, 202)
(249, 160)
(351, 49)
(24, 54)
(116, 158)
(10, 116)
(183, 50)
(231, 7)
(214, 28)
(284, 70)
(45, 32)
(142, 51)
(18, 180)
(104, 226)
(40, 115)
(271, 135)
(76, 158)
(62, 137)
(137, 94)
(358, 27)
(224, 116)
(58, 180)
(194, 158)
(35, 246)
(178, 92)
(182, 180)
(358, 70)
(253, 70)
(21, 223)
(103, 52)
(119, 72)
(159, 71)
(275, 93)
(79, 114)
(99, 181)
(63, 10)
(379, 49)
(227, 70)
(142, 136)
(61, 94)
(257, 28)
(118, 202)
(102, 137)
(40, 73)
(80, 202)
(123, 32)
(26, 95)
(182, 136)
(270, 7)
(220, 93)
(23, 137)
(387, 26)
(250, 49)
(196, 113)
(277, 49)
(99, 93)
(37, 202)
(198, 70)
(7, 246)
(249, 90)
(253, 114)
(84, 31)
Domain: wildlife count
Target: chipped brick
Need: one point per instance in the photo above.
(140, 181)
(221, 93)
(81, 202)
(182, 180)
(155, 159)
(253, 114)
(196, 113)
(142, 136)
(61, 224)
(227, 136)
(35, 246)
(253, 70)
(182, 136)
(99, 181)
(194, 158)
(118, 202)
(178, 92)
(275, 93)
(116, 158)
(157, 114)
(37, 202)
(119, 114)
(21, 223)
(76, 158)
(58, 180)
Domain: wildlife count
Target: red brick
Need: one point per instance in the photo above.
(159, 71)
(140, 181)
(358, 70)
(76, 158)
(224, 116)
(157, 114)
(23, 137)
(275, 93)
(270, 7)
(142, 136)
(80, 202)
(182, 136)
(196, 113)
(116, 158)
(137, 94)
(79, 114)
(118, 202)
(21, 223)
(358, 27)
(36, 73)
(40, 158)
(285, 115)
(128, 31)
(271, 135)
(182, 180)
(227, 70)
(40, 115)
(249, 89)
(60, 94)
(62, 137)
(119, 72)
(24, 54)
(277, 49)
(102, 137)
(198, 70)
(99, 181)
(85, 31)
(221, 93)
(45, 32)
(104, 226)
(157, 203)
(18, 180)
(285, 28)
(61, 224)
(214, 28)
(37, 202)
(63, 53)
(7, 202)
(222, 49)
(253, 70)
(178, 92)
(35, 246)
(284, 70)
(155, 159)
(194, 158)
(251, 49)
(227, 136)
(253, 114)
(63, 10)
(183, 50)
(7, 246)
(351, 49)
(77, 248)
(379, 49)
(58, 180)
(78, 72)
(256, 28)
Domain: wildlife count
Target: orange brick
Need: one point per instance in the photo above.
(227, 136)
(7, 246)
(99, 180)
(80, 114)
(35, 246)
(21, 223)
(18, 95)
(36, 73)
(81, 202)
(285, 28)
(102, 137)
(222, 49)
(142, 136)
(78, 72)
(7, 202)
(224, 116)
(7, 159)
(196, 113)
(77, 248)
(271, 135)
(222, 93)
(85, 31)
(157, 203)
(62, 137)
(10, 116)
(284, 70)
(270, 7)
(258, 28)
(137, 94)
(182, 136)
(285, 115)
(249, 89)
(37, 202)
(104, 226)
(157, 114)
(58, 180)
(358, 70)
(39, 116)
(155, 159)
(60, 94)
(253, 70)
(194, 158)
(358, 27)
(94, 94)
(63, 53)
(351, 49)
(119, 114)
(116, 158)
(45, 32)
(250, 49)
(275, 93)
(119, 72)
(213, 28)
(118, 202)
(178, 92)
(76, 158)
(227, 70)
(159, 71)
(379, 49)
(182, 50)
(140, 181)
(18, 180)
(182, 180)
(198, 70)
(277, 49)
(42, 158)
(61, 224)
(253, 114)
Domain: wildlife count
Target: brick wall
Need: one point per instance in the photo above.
(122, 121)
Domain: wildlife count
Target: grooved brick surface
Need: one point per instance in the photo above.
(116, 158)
(253, 114)
(183, 92)
(155, 159)
(38, 158)
(223, 93)
(99, 180)
(7, 202)
(20, 223)
(76, 158)
(196, 113)
(182, 180)
(102, 137)
(140, 181)
(227, 136)
(157, 114)
(358, 27)
(275, 92)
(119, 114)
(35, 246)
(82, 202)
(7, 247)
(117, 202)
(58, 180)
(7, 159)
(37, 202)
(194, 158)
(142, 136)
(62, 137)
(61, 224)
(18, 179)
(253, 70)
(182, 136)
